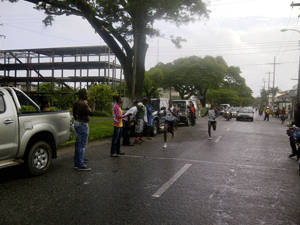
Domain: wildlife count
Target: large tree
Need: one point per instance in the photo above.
(234, 81)
(125, 24)
(211, 74)
(154, 79)
(195, 75)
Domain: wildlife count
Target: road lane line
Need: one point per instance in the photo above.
(218, 139)
(171, 181)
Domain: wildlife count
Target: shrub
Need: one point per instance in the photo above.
(104, 95)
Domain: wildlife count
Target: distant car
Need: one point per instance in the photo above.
(245, 114)
(233, 112)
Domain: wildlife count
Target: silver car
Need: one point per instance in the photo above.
(245, 114)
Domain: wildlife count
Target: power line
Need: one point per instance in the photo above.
(48, 34)
(1, 35)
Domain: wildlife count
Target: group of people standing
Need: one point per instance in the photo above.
(280, 113)
(122, 123)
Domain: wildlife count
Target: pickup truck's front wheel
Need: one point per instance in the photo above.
(39, 158)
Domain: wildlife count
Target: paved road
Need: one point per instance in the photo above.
(241, 176)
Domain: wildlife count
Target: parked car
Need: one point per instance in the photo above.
(159, 105)
(245, 114)
(183, 111)
(27, 134)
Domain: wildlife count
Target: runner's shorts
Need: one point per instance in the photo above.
(212, 122)
(139, 126)
(170, 122)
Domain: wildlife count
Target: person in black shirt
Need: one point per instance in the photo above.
(82, 113)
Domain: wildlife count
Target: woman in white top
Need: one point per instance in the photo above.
(212, 115)
(171, 114)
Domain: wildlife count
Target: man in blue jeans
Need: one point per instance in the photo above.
(82, 113)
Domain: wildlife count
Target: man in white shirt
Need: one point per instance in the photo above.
(171, 114)
(126, 126)
(212, 115)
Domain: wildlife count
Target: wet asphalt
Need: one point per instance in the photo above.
(242, 176)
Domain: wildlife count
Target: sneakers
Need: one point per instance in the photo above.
(209, 138)
(84, 168)
(117, 155)
(121, 153)
(165, 145)
(291, 155)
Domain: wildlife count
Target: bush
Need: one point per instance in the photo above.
(104, 96)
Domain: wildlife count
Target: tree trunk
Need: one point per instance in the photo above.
(142, 48)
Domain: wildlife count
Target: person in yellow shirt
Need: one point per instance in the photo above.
(267, 113)
(118, 125)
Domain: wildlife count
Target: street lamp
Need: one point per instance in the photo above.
(298, 90)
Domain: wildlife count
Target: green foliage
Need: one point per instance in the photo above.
(117, 22)
(226, 96)
(53, 109)
(28, 108)
(104, 95)
(222, 96)
(234, 81)
(61, 98)
(46, 87)
(98, 129)
(64, 99)
(194, 75)
(154, 79)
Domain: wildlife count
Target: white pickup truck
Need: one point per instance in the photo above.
(27, 134)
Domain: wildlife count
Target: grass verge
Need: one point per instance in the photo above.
(98, 130)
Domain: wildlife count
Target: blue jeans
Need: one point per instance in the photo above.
(116, 141)
(82, 135)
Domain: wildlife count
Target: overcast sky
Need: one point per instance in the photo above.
(246, 33)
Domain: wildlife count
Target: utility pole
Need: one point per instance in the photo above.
(268, 85)
(273, 91)
(264, 83)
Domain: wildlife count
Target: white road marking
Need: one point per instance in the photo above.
(218, 139)
(171, 181)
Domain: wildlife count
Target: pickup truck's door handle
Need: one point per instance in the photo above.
(8, 121)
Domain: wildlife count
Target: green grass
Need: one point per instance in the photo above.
(101, 129)
(98, 130)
